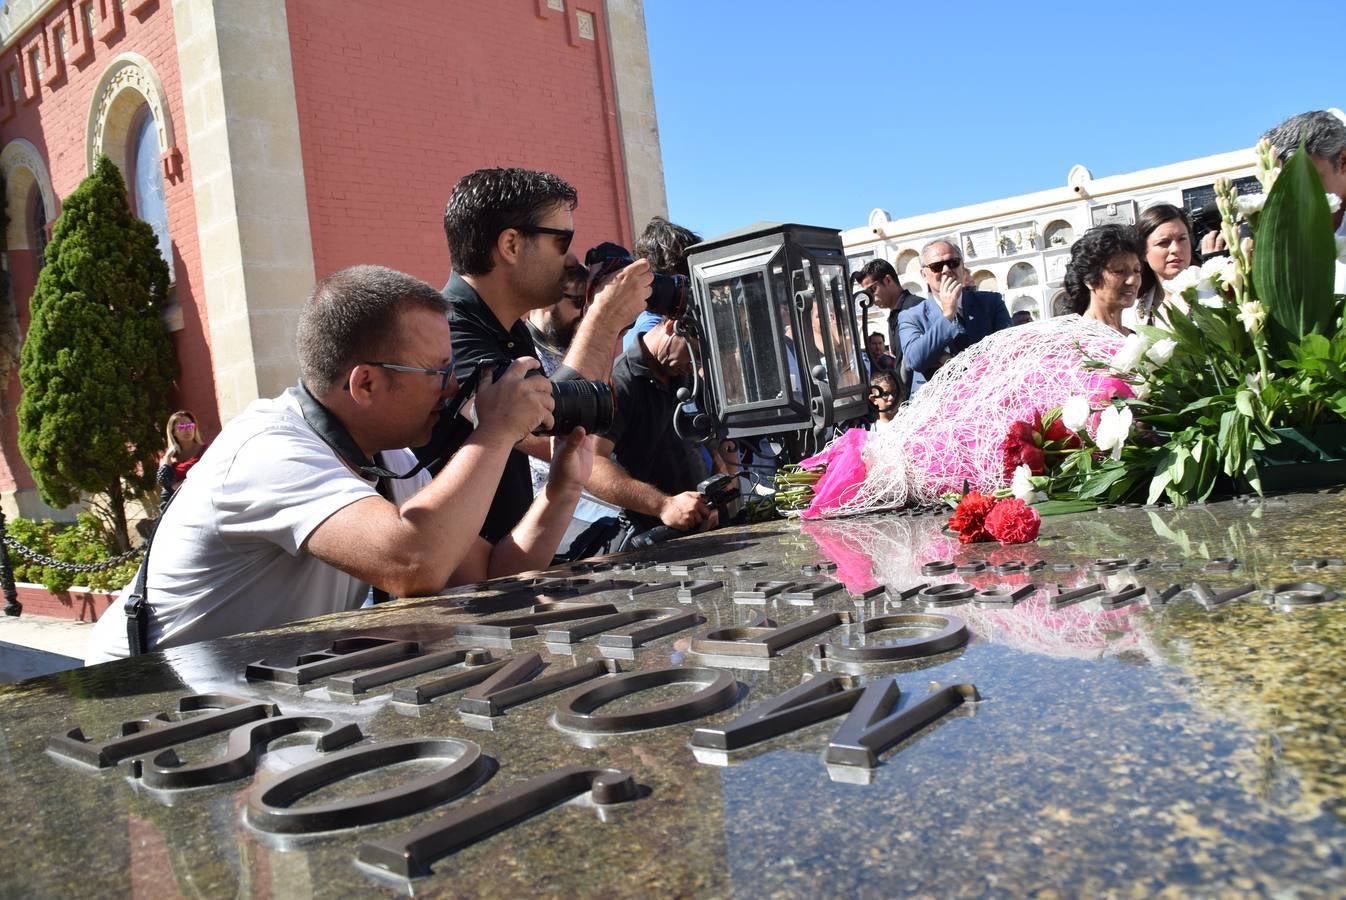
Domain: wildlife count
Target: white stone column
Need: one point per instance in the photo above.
(628, 48)
(248, 181)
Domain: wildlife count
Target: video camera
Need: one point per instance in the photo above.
(669, 295)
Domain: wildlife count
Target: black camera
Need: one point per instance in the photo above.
(669, 295)
(1206, 219)
(586, 404)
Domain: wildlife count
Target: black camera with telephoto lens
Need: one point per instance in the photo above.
(669, 294)
(578, 404)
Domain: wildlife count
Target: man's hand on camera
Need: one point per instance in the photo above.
(622, 297)
(512, 404)
(685, 512)
(1213, 242)
(572, 461)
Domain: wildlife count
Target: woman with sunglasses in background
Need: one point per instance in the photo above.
(184, 449)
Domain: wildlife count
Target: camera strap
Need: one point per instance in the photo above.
(137, 607)
(334, 435)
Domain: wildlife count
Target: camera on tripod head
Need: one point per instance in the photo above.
(669, 294)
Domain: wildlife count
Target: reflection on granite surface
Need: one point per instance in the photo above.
(1175, 743)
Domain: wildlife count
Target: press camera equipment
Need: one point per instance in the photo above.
(578, 403)
(719, 491)
(1206, 219)
(669, 294)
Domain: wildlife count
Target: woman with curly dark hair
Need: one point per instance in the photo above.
(1104, 274)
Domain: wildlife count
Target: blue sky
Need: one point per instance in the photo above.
(818, 112)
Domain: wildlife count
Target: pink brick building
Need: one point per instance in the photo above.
(272, 142)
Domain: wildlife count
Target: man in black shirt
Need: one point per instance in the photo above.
(509, 234)
(659, 470)
(879, 278)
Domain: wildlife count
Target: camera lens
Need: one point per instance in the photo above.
(668, 295)
(581, 403)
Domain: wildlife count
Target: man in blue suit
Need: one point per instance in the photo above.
(951, 319)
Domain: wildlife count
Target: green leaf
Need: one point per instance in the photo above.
(1244, 401)
(1295, 255)
(1063, 507)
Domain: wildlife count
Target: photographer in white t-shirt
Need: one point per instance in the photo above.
(283, 517)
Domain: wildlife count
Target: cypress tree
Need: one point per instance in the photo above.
(98, 364)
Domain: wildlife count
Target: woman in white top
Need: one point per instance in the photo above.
(1167, 233)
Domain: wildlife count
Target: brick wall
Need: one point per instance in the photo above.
(53, 114)
(396, 103)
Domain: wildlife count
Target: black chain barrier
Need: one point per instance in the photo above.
(12, 605)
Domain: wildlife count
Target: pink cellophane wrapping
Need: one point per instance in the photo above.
(952, 433)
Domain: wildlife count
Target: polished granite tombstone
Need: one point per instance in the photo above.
(1142, 701)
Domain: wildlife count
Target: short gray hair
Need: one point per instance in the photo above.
(953, 245)
(1323, 134)
(355, 315)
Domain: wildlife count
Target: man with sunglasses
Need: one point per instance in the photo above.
(509, 233)
(954, 317)
(306, 500)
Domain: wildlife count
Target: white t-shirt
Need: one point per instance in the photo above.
(228, 556)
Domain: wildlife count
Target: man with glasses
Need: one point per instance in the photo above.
(954, 317)
(509, 233)
(308, 499)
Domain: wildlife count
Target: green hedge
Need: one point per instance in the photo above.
(83, 542)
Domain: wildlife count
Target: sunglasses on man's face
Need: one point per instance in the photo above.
(565, 234)
(940, 265)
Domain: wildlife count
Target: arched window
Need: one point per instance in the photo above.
(148, 180)
(985, 280)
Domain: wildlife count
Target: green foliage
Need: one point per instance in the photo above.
(1295, 252)
(97, 366)
(84, 542)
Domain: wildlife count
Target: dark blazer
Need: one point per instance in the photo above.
(928, 339)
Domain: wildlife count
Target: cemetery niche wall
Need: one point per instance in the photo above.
(1143, 699)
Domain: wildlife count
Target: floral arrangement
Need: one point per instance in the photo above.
(1250, 345)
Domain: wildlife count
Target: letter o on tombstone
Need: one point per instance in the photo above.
(269, 805)
(575, 710)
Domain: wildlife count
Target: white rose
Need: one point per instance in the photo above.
(1075, 413)
(1185, 280)
(1126, 358)
(1251, 203)
(1113, 427)
(1253, 315)
(1333, 202)
(1207, 295)
(1142, 390)
(1021, 485)
(1161, 351)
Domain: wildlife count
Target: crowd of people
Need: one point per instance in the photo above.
(414, 452)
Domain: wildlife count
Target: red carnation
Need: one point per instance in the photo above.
(1012, 521)
(969, 519)
(1023, 448)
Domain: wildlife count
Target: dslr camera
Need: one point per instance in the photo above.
(669, 295)
(586, 404)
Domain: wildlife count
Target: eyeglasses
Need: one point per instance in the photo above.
(577, 299)
(880, 395)
(185, 426)
(565, 234)
(940, 265)
(445, 374)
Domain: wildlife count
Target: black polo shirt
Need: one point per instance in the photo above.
(478, 337)
(644, 442)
